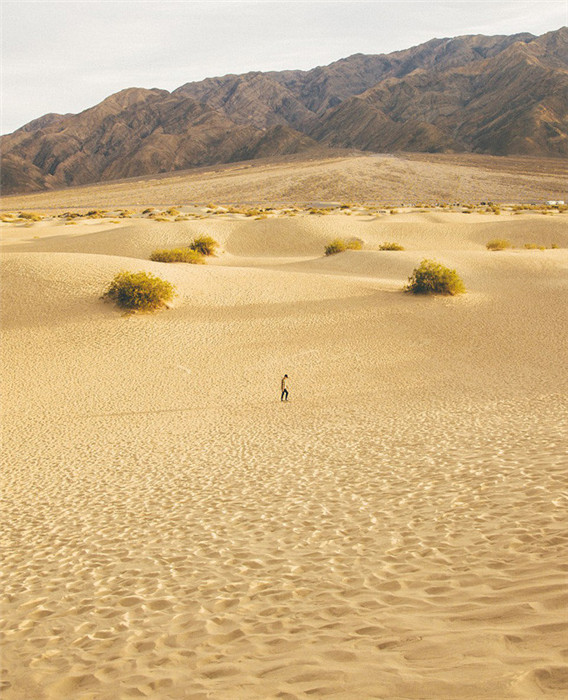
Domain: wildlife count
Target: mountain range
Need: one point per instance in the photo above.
(499, 95)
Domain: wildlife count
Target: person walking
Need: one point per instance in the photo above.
(284, 388)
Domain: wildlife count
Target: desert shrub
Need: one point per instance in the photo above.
(433, 278)
(497, 244)
(354, 244)
(554, 246)
(30, 216)
(139, 291)
(7, 218)
(172, 211)
(204, 245)
(394, 211)
(149, 210)
(71, 222)
(185, 255)
(336, 246)
(534, 246)
(96, 213)
(390, 246)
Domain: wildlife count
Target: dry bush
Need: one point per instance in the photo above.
(433, 278)
(184, 255)
(336, 246)
(498, 244)
(390, 246)
(204, 245)
(139, 291)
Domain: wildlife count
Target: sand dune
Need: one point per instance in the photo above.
(397, 530)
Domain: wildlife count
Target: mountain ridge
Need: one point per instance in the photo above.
(500, 95)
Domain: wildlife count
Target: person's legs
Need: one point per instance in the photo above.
(284, 394)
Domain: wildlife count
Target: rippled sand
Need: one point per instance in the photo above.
(397, 530)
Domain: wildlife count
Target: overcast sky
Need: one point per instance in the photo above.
(68, 55)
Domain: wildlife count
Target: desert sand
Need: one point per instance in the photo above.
(396, 530)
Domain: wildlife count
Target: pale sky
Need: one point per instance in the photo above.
(68, 55)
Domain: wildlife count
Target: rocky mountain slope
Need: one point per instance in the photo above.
(498, 95)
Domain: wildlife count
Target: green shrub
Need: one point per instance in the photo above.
(139, 291)
(433, 278)
(336, 246)
(354, 244)
(498, 244)
(534, 246)
(390, 246)
(554, 246)
(204, 245)
(185, 255)
(149, 210)
(172, 211)
(30, 216)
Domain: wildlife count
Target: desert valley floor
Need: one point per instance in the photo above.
(396, 530)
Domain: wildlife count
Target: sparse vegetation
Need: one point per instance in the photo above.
(339, 245)
(30, 216)
(184, 255)
(433, 278)
(172, 211)
(534, 246)
(498, 244)
(204, 245)
(390, 246)
(336, 246)
(139, 291)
